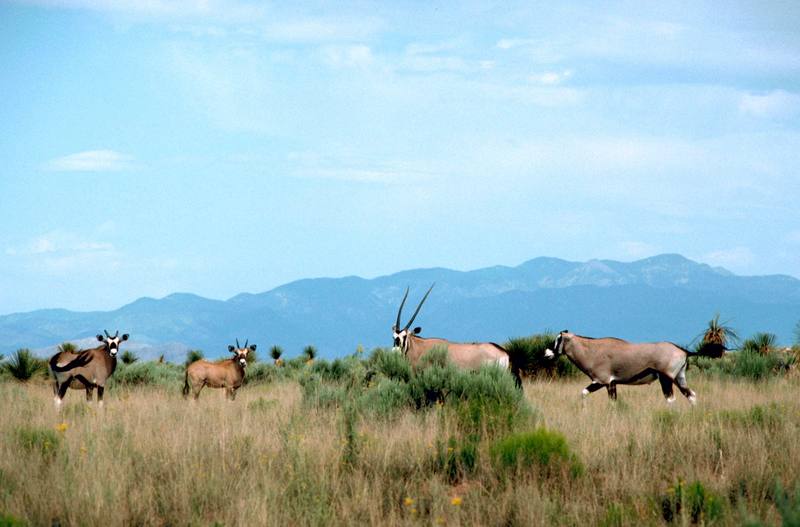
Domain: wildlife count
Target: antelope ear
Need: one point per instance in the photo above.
(100, 338)
(231, 348)
(125, 336)
(252, 347)
(417, 330)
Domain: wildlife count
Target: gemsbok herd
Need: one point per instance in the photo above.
(607, 362)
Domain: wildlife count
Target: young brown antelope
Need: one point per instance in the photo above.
(227, 374)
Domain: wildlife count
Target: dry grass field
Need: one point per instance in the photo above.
(269, 458)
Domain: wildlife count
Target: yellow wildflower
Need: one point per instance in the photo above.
(456, 501)
(408, 502)
(439, 520)
(62, 427)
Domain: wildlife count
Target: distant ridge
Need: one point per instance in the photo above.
(662, 297)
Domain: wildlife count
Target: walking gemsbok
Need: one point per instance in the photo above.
(467, 356)
(227, 374)
(611, 361)
(86, 369)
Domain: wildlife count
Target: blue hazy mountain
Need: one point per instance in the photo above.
(666, 297)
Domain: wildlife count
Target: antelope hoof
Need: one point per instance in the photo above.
(584, 393)
(693, 399)
(671, 399)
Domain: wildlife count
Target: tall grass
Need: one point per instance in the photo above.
(272, 458)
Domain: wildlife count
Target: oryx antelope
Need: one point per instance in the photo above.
(611, 361)
(467, 356)
(227, 374)
(86, 369)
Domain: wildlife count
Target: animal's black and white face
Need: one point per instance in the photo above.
(400, 337)
(240, 354)
(558, 347)
(112, 343)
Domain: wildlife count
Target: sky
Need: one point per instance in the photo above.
(221, 146)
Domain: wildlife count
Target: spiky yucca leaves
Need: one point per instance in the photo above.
(275, 352)
(128, 357)
(23, 366)
(719, 333)
(251, 357)
(193, 356)
(310, 353)
(763, 343)
(67, 347)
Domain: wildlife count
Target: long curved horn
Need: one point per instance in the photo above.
(397, 324)
(419, 306)
(237, 344)
(246, 342)
(106, 332)
(116, 334)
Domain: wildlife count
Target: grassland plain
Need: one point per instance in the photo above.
(273, 458)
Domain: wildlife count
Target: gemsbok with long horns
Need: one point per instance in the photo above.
(86, 369)
(469, 356)
(227, 374)
(611, 361)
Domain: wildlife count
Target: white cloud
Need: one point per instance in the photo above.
(550, 78)
(777, 103)
(91, 161)
(60, 244)
(323, 30)
(358, 56)
(510, 43)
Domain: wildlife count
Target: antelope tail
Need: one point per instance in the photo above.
(709, 349)
(81, 360)
(186, 385)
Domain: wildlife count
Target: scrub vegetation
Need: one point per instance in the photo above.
(373, 441)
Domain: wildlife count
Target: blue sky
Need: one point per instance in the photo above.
(221, 146)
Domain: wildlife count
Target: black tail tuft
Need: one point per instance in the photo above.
(186, 385)
(81, 360)
(711, 349)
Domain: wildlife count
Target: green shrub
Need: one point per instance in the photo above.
(486, 402)
(148, 374)
(128, 357)
(543, 449)
(44, 441)
(23, 365)
(763, 343)
(6, 520)
(691, 502)
(322, 394)
(788, 506)
(527, 356)
(390, 364)
(193, 356)
(386, 398)
(457, 459)
(756, 366)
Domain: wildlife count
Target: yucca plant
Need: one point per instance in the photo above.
(251, 357)
(193, 356)
(719, 333)
(762, 343)
(23, 366)
(310, 353)
(275, 352)
(128, 357)
(68, 347)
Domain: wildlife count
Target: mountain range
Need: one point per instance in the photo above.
(665, 297)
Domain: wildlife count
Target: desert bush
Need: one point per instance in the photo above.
(692, 502)
(275, 352)
(148, 373)
(24, 366)
(390, 364)
(128, 357)
(763, 343)
(788, 505)
(6, 520)
(193, 356)
(385, 398)
(767, 416)
(527, 356)
(755, 366)
(543, 449)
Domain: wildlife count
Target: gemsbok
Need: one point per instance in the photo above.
(611, 361)
(227, 374)
(86, 369)
(470, 356)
